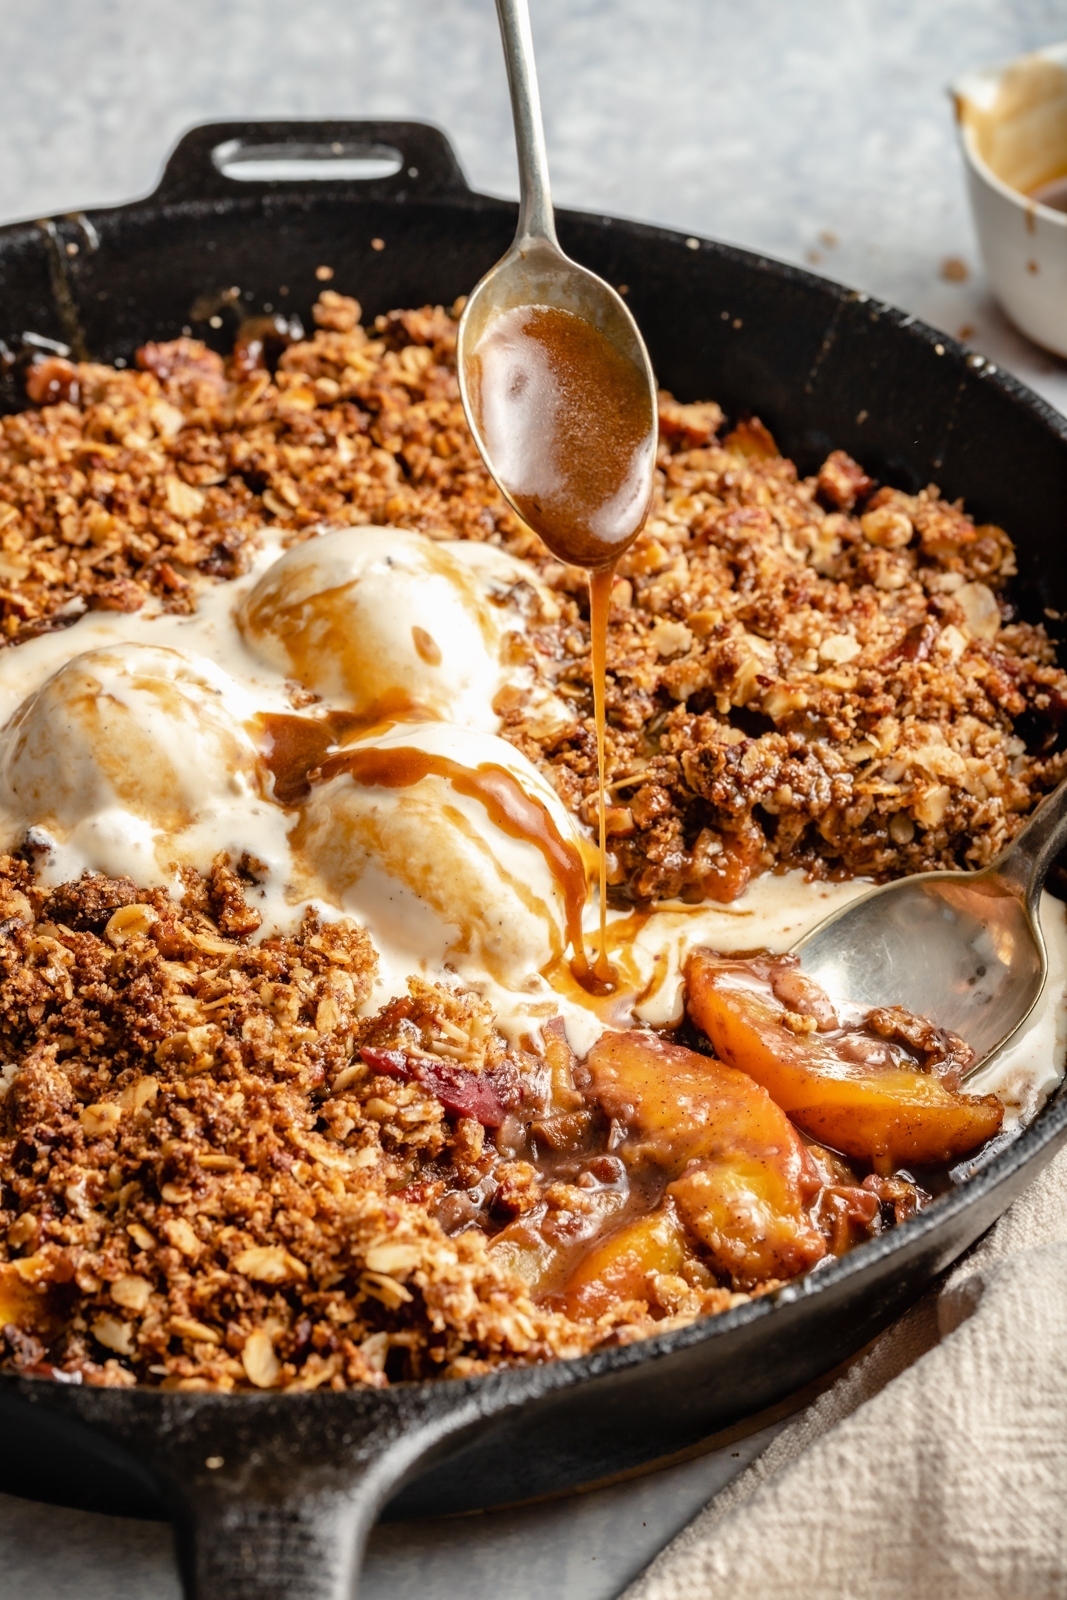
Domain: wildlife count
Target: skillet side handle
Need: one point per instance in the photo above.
(429, 167)
(272, 1498)
(308, 1548)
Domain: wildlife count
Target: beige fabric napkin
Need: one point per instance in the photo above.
(934, 1469)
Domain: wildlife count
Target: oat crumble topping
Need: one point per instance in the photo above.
(818, 672)
(205, 1186)
(211, 1175)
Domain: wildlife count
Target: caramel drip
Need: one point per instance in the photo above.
(599, 600)
(612, 1002)
(510, 808)
(570, 429)
(295, 746)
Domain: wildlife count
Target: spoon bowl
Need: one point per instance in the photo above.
(535, 272)
(964, 949)
(957, 948)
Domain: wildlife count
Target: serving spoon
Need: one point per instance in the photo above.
(535, 271)
(964, 949)
(559, 394)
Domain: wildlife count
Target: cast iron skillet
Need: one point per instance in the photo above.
(272, 1495)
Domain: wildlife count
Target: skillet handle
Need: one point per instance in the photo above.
(273, 1498)
(272, 1495)
(306, 1548)
(428, 166)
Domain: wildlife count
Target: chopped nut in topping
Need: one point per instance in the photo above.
(259, 1360)
(131, 1291)
(268, 1264)
(100, 1118)
(129, 921)
(115, 1335)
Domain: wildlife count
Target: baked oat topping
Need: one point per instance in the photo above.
(207, 1181)
(815, 672)
(216, 1170)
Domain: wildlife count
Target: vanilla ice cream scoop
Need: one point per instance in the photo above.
(134, 730)
(449, 847)
(381, 620)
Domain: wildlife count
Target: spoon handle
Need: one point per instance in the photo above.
(535, 204)
(1024, 865)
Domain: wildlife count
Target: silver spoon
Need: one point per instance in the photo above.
(535, 272)
(964, 949)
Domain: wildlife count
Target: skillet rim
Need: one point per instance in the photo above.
(1048, 1126)
(172, 198)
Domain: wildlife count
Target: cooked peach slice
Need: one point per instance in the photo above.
(743, 1177)
(541, 1253)
(727, 1206)
(20, 1302)
(886, 1114)
(522, 1249)
(619, 1267)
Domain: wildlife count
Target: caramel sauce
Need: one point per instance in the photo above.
(259, 343)
(615, 1002)
(294, 746)
(570, 428)
(599, 601)
(1052, 193)
(510, 808)
(426, 646)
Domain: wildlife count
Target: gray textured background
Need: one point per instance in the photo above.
(816, 130)
(770, 123)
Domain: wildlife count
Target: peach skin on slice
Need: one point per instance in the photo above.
(889, 1116)
(743, 1178)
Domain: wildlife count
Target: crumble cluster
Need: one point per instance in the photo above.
(816, 673)
(812, 672)
(204, 1184)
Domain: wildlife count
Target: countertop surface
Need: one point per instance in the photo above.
(817, 131)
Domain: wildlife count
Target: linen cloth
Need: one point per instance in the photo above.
(934, 1469)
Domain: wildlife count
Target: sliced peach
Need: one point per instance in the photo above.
(743, 1177)
(20, 1302)
(739, 1213)
(542, 1256)
(890, 1116)
(618, 1268)
(522, 1249)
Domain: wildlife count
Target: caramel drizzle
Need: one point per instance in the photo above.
(582, 479)
(509, 807)
(295, 747)
(599, 601)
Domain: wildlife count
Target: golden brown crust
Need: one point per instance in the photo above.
(801, 672)
(204, 1186)
(792, 686)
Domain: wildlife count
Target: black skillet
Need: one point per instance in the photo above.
(272, 1495)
